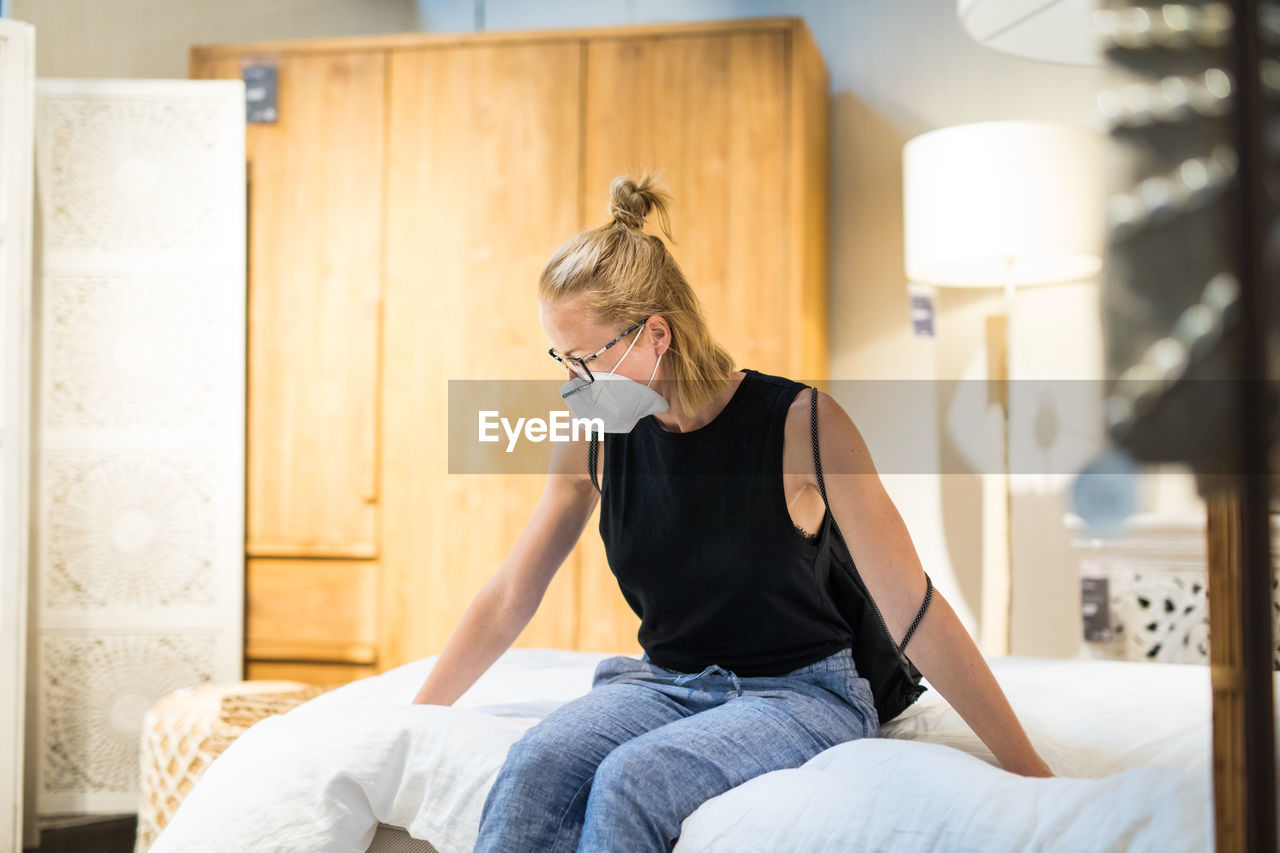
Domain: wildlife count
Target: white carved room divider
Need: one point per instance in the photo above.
(17, 73)
(138, 514)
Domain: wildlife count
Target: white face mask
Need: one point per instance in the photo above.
(618, 401)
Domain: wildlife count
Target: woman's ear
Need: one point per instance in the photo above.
(657, 326)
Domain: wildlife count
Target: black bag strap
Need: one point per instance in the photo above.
(591, 462)
(817, 468)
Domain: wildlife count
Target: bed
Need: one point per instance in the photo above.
(361, 770)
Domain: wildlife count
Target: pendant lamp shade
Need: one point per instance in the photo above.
(1046, 30)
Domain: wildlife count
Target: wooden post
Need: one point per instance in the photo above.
(1240, 761)
(1226, 672)
(1249, 710)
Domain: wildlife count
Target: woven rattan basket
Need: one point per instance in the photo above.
(186, 730)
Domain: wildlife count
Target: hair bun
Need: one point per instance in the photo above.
(631, 201)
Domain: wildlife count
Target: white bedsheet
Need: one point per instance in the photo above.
(1129, 742)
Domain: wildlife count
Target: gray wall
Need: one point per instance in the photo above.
(151, 38)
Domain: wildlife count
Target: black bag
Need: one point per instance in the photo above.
(895, 682)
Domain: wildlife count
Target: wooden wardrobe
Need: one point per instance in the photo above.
(401, 207)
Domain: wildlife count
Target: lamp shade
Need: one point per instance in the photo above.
(1003, 202)
(1058, 31)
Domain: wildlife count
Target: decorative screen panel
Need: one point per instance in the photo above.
(17, 77)
(139, 509)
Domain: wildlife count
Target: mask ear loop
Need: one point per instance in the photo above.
(650, 382)
(655, 370)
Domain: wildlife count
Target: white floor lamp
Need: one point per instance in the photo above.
(1002, 204)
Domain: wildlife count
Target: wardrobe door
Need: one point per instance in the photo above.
(722, 148)
(483, 186)
(315, 265)
(315, 272)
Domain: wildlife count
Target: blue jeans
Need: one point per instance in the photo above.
(621, 767)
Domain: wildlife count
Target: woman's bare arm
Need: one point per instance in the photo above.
(505, 604)
(886, 558)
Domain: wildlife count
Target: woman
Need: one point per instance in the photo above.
(710, 501)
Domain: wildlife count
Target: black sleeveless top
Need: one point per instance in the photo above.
(696, 530)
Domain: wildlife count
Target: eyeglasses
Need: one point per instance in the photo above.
(579, 364)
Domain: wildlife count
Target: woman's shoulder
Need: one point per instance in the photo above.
(783, 384)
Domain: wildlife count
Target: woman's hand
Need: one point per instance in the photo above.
(1038, 767)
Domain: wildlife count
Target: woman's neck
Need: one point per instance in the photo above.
(674, 420)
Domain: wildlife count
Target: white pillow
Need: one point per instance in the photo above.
(879, 794)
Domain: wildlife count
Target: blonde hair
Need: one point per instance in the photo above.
(625, 276)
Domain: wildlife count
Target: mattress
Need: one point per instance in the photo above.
(361, 769)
